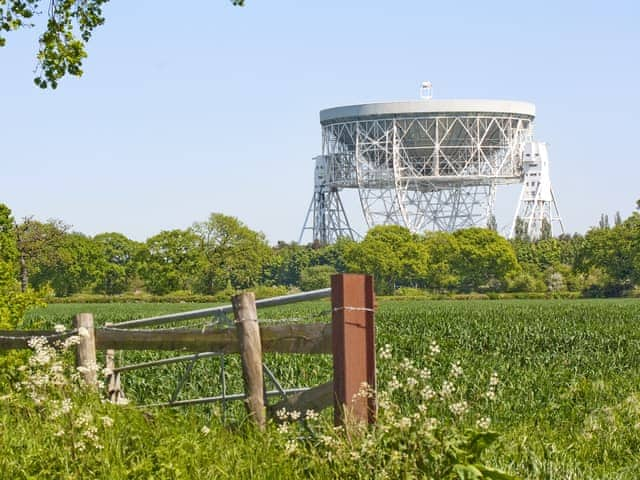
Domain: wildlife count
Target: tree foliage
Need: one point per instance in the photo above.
(170, 261)
(234, 255)
(392, 255)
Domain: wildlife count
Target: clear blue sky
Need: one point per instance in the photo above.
(193, 107)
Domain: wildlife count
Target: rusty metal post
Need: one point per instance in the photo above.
(354, 354)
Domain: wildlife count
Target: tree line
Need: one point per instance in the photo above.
(221, 254)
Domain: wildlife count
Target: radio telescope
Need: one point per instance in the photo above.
(429, 165)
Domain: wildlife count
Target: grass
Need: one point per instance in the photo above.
(569, 404)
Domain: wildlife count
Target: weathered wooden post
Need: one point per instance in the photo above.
(114, 389)
(354, 354)
(248, 330)
(86, 349)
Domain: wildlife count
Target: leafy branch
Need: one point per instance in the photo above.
(69, 27)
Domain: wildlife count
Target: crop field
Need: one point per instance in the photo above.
(568, 405)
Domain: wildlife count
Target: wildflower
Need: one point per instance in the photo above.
(294, 415)
(434, 349)
(459, 408)
(385, 352)
(107, 421)
(281, 414)
(205, 430)
(59, 433)
(311, 415)
(411, 383)
(59, 328)
(456, 370)
(71, 341)
(490, 394)
(494, 380)
(427, 393)
(404, 423)
(283, 428)
(425, 374)
(394, 384)
(447, 389)
(483, 423)
(290, 447)
(326, 440)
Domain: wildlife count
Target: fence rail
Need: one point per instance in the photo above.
(223, 309)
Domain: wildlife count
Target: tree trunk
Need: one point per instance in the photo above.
(24, 274)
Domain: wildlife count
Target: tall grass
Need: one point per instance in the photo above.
(569, 370)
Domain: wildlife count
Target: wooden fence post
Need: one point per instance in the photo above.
(248, 330)
(354, 354)
(86, 350)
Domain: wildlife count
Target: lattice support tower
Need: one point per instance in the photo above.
(537, 204)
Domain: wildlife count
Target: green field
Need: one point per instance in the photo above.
(569, 399)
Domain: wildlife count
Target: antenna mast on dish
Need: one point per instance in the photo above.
(426, 90)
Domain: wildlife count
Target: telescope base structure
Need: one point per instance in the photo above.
(326, 218)
(537, 214)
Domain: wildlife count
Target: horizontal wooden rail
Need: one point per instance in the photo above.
(222, 309)
(283, 338)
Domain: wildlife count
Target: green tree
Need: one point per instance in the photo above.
(13, 302)
(234, 255)
(443, 250)
(77, 267)
(616, 251)
(485, 259)
(288, 262)
(316, 277)
(120, 256)
(393, 255)
(170, 261)
(38, 245)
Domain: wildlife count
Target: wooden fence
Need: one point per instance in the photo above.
(350, 338)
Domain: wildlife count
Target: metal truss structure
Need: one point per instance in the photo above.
(425, 165)
(537, 205)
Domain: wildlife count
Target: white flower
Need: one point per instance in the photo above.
(71, 341)
(459, 408)
(281, 414)
(205, 430)
(107, 421)
(294, 415)
(290, 447)
(447, 389)
(311, 415)
(385, 352)
(494, 380)
(434, 349)
(483, 423)
(283, 428)
(59, 328)
(456, 370)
